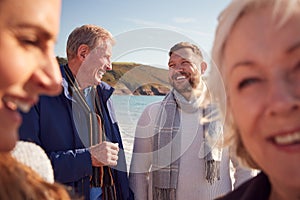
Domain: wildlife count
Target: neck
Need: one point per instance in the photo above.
(186, 95)
(74, 66)
(199, 94)
(83, 81)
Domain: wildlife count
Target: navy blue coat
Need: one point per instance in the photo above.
(257, 188)
(50, 124)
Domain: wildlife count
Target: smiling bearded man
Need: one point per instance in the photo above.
(175, 139)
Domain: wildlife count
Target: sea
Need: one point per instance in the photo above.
(128, 109)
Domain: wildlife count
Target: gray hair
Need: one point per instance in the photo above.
(181, 45)
(90, 35)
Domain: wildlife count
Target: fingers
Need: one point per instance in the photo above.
(105, 153)
(113, 160)
(114, 146)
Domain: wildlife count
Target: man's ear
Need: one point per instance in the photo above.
(203, 67)
(83, 51)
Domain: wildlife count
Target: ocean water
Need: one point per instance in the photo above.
(128, 109)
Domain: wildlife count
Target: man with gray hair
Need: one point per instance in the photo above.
(78, 129)
(177, 153)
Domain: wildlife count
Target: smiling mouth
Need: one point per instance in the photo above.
(289, 139)
(100, 73)
(180, 77)
(14, 104)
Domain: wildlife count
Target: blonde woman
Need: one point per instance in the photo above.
(257, 50)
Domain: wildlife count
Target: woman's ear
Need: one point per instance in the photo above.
(83, 51)
(203, 67)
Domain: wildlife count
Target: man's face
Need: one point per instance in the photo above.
(184, 74)
(95, 65)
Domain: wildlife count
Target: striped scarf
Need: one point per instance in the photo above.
(167, 145)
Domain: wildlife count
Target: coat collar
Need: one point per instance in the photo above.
(103, 88)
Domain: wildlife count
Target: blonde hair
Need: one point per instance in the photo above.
(282, 11)
(90, 35)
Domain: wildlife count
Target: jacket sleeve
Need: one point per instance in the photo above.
(69, 164)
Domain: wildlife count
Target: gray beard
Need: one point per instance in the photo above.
(186, 88)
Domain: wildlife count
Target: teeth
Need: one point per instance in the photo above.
(288, 139)
(101, 73)
(11, 105)
(24, 107)
(17, 104)
(180, 77)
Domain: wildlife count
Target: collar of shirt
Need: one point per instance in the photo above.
(66, 91)
(86, 92)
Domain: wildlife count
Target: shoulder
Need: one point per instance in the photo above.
(148, 116)
(256, 188)
(152, 109)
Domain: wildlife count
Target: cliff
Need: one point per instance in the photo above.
(135, 79)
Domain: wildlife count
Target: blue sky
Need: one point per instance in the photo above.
(144, 30)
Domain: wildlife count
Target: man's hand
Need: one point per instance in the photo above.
(104, 154)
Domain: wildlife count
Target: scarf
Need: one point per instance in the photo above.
(102, 176)
(166, 147)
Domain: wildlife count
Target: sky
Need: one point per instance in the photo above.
(144, 30)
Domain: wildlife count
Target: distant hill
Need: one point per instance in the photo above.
(133, 78)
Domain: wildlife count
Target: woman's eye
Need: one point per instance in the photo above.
(31, 42)
(247, 82)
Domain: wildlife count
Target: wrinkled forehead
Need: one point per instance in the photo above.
(104, 43)
(104, 49)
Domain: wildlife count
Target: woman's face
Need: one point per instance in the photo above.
(28, 31)
(262, 77)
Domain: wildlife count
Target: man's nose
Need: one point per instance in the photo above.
(109, 66)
